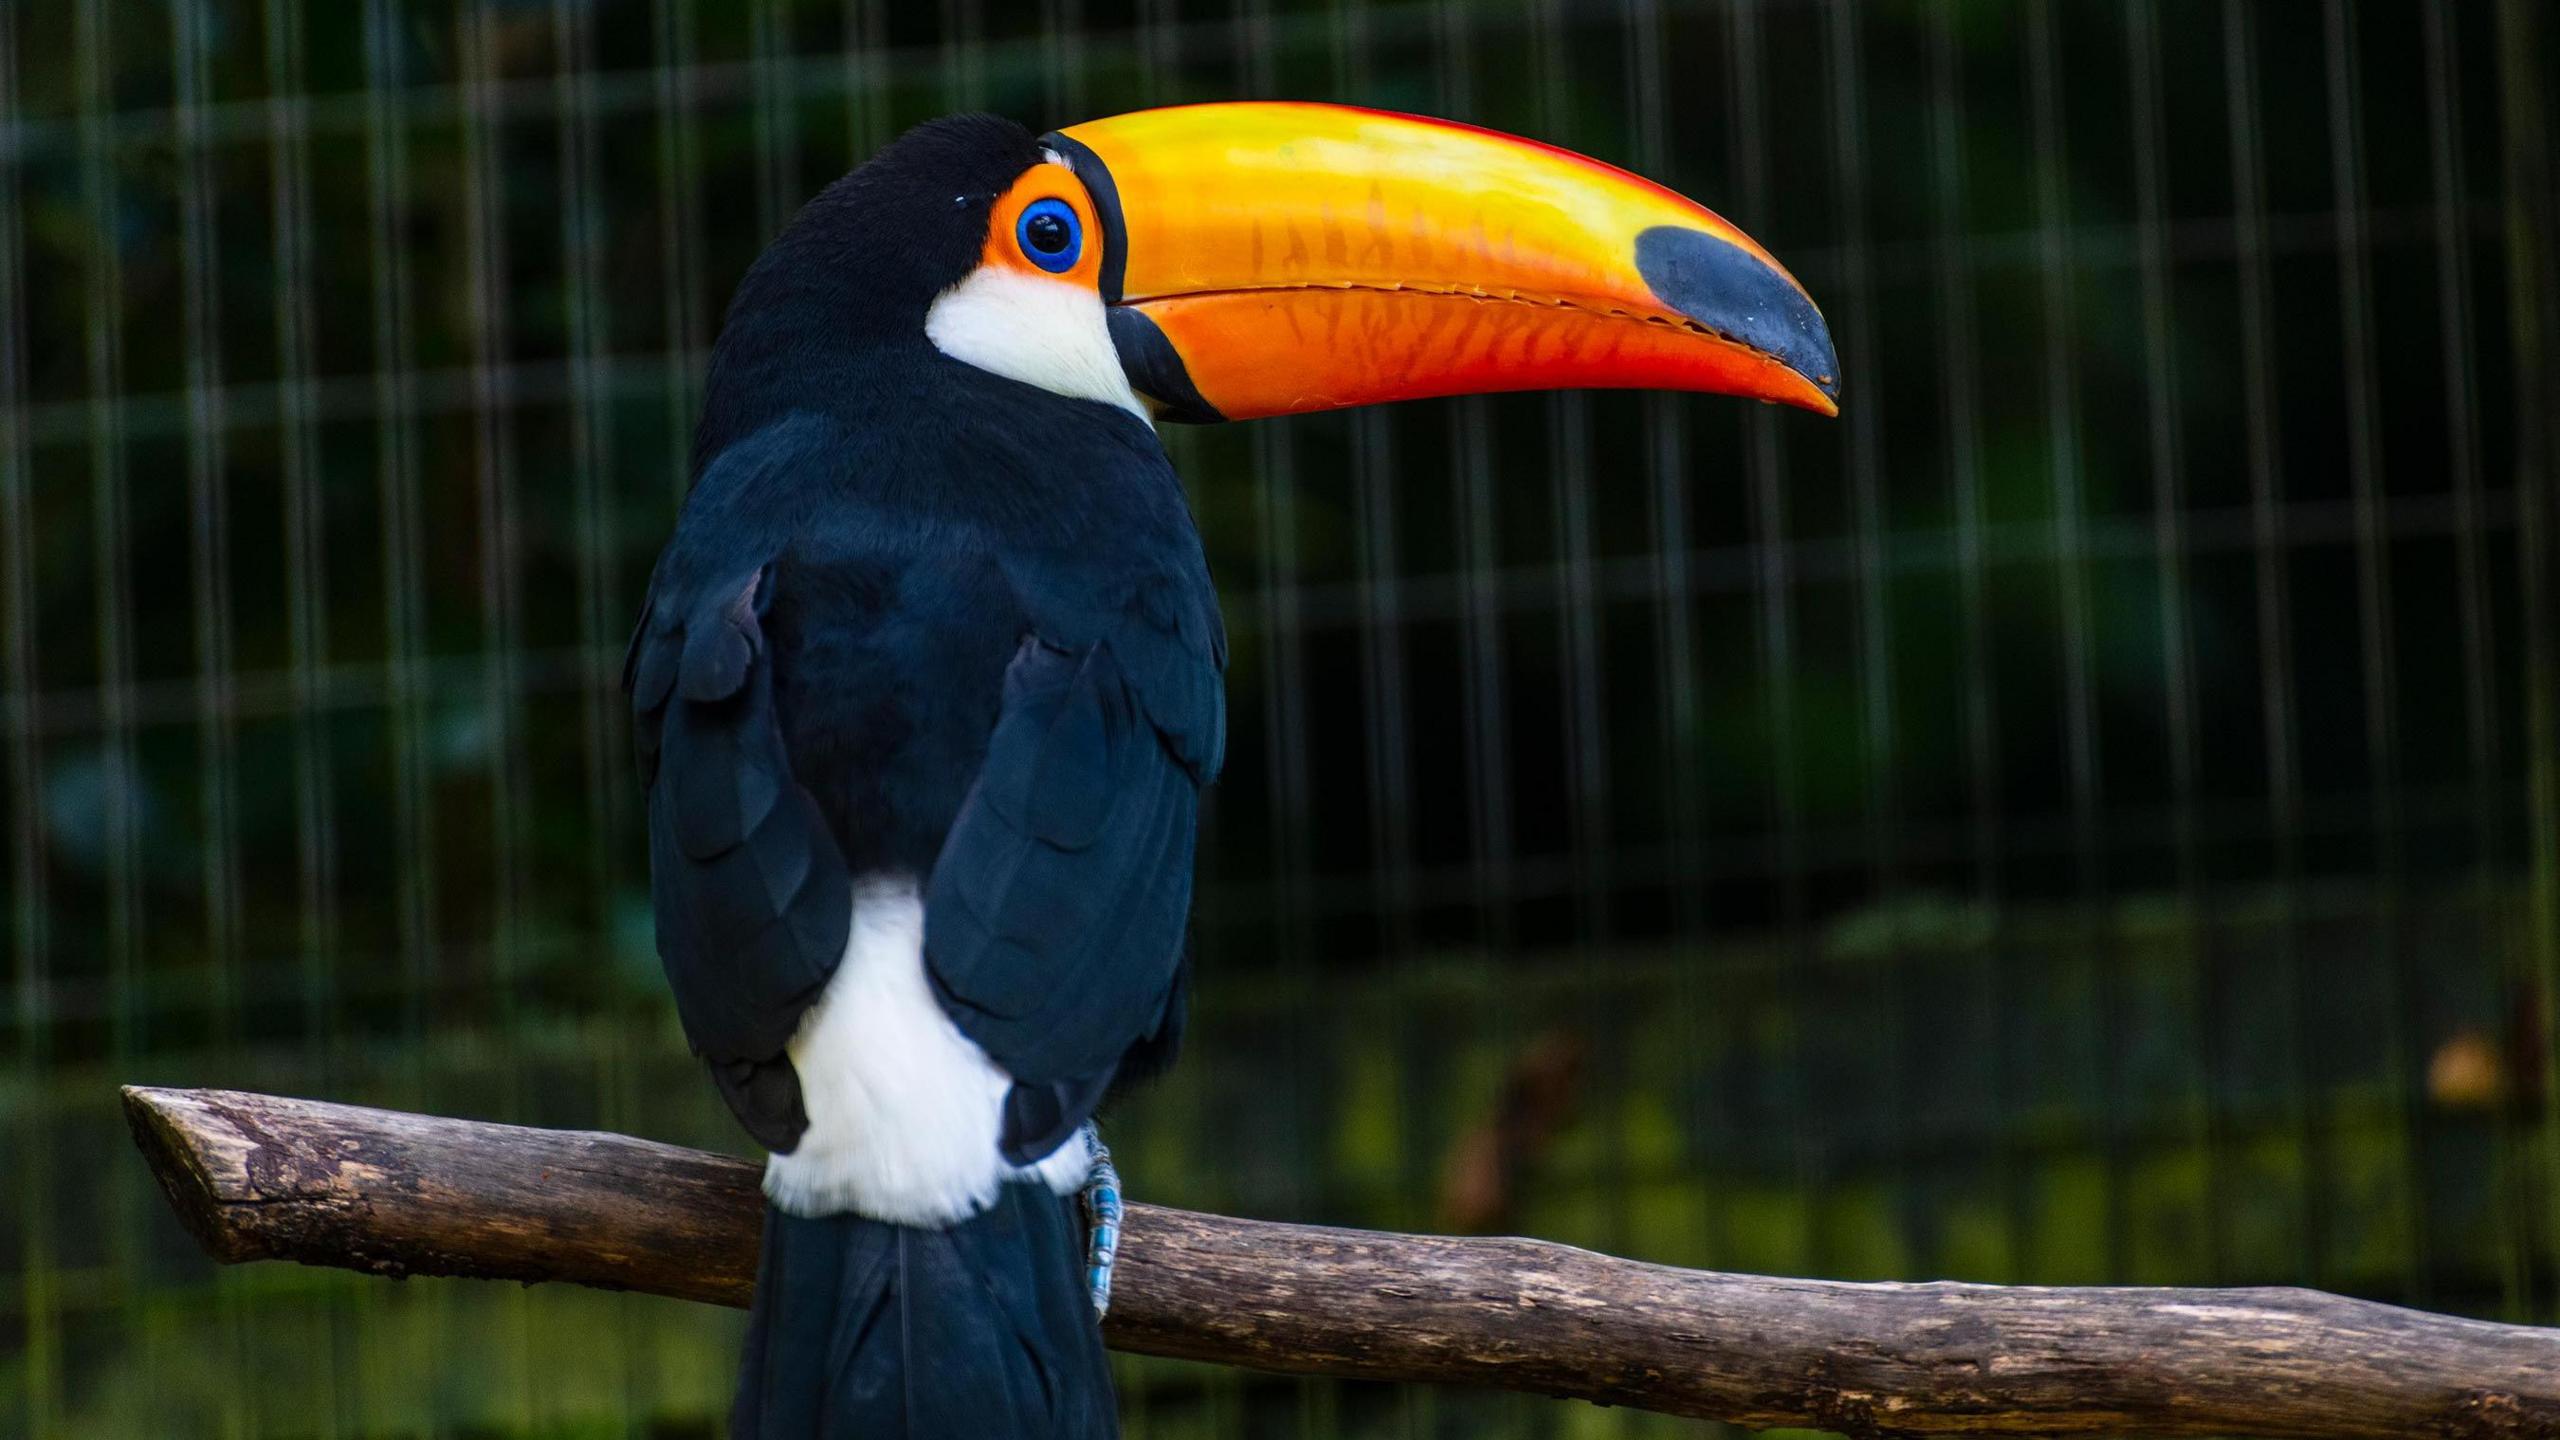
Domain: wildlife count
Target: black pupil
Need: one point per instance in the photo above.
(1048, 234)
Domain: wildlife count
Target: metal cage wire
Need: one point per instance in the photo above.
(2073, 818)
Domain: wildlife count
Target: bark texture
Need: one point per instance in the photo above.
(262, 1177)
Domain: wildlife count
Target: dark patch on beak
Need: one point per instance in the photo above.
(1739, 296)
(1155, 369)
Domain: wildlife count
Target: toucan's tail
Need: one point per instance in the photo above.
(890, 1332)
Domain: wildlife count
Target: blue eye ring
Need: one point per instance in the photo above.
(1050, 235)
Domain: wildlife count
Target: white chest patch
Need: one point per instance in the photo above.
(1044, 332)
(904, 1110)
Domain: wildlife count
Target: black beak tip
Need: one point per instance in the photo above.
(1738, 295)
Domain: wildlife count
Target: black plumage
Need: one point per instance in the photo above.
(979, 1331)
(921, 620)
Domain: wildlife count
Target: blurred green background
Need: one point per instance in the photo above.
(2092, 813)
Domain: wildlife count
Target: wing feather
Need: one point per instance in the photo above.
(1055, 919)
(752, 896)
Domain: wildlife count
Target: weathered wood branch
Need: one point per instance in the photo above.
(259, 1177)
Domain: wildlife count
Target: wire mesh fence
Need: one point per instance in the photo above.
(2071, 819)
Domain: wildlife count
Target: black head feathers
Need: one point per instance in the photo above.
(900, 230)
(858, 267)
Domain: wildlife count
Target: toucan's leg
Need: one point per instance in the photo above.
(1102, 1221)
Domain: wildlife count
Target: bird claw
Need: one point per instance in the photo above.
(1102, 1220)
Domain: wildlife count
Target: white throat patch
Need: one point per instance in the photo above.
(1044, 332)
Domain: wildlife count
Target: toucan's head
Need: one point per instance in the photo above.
(1229, 261)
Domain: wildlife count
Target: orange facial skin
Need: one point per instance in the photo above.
(1305, 257)
(1043, 182)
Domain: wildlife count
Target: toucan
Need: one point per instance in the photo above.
(931, 675)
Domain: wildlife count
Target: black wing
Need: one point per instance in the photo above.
(752, 896)
(1056, 918)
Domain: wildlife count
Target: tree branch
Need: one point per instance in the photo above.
(260, 1177)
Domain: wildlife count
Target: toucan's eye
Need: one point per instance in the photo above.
(1050, 236)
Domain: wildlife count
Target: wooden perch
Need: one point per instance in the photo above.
(258, 1177)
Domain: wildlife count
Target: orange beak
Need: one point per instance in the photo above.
(1269, 258)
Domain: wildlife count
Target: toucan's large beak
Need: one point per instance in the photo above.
(1273, 258)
